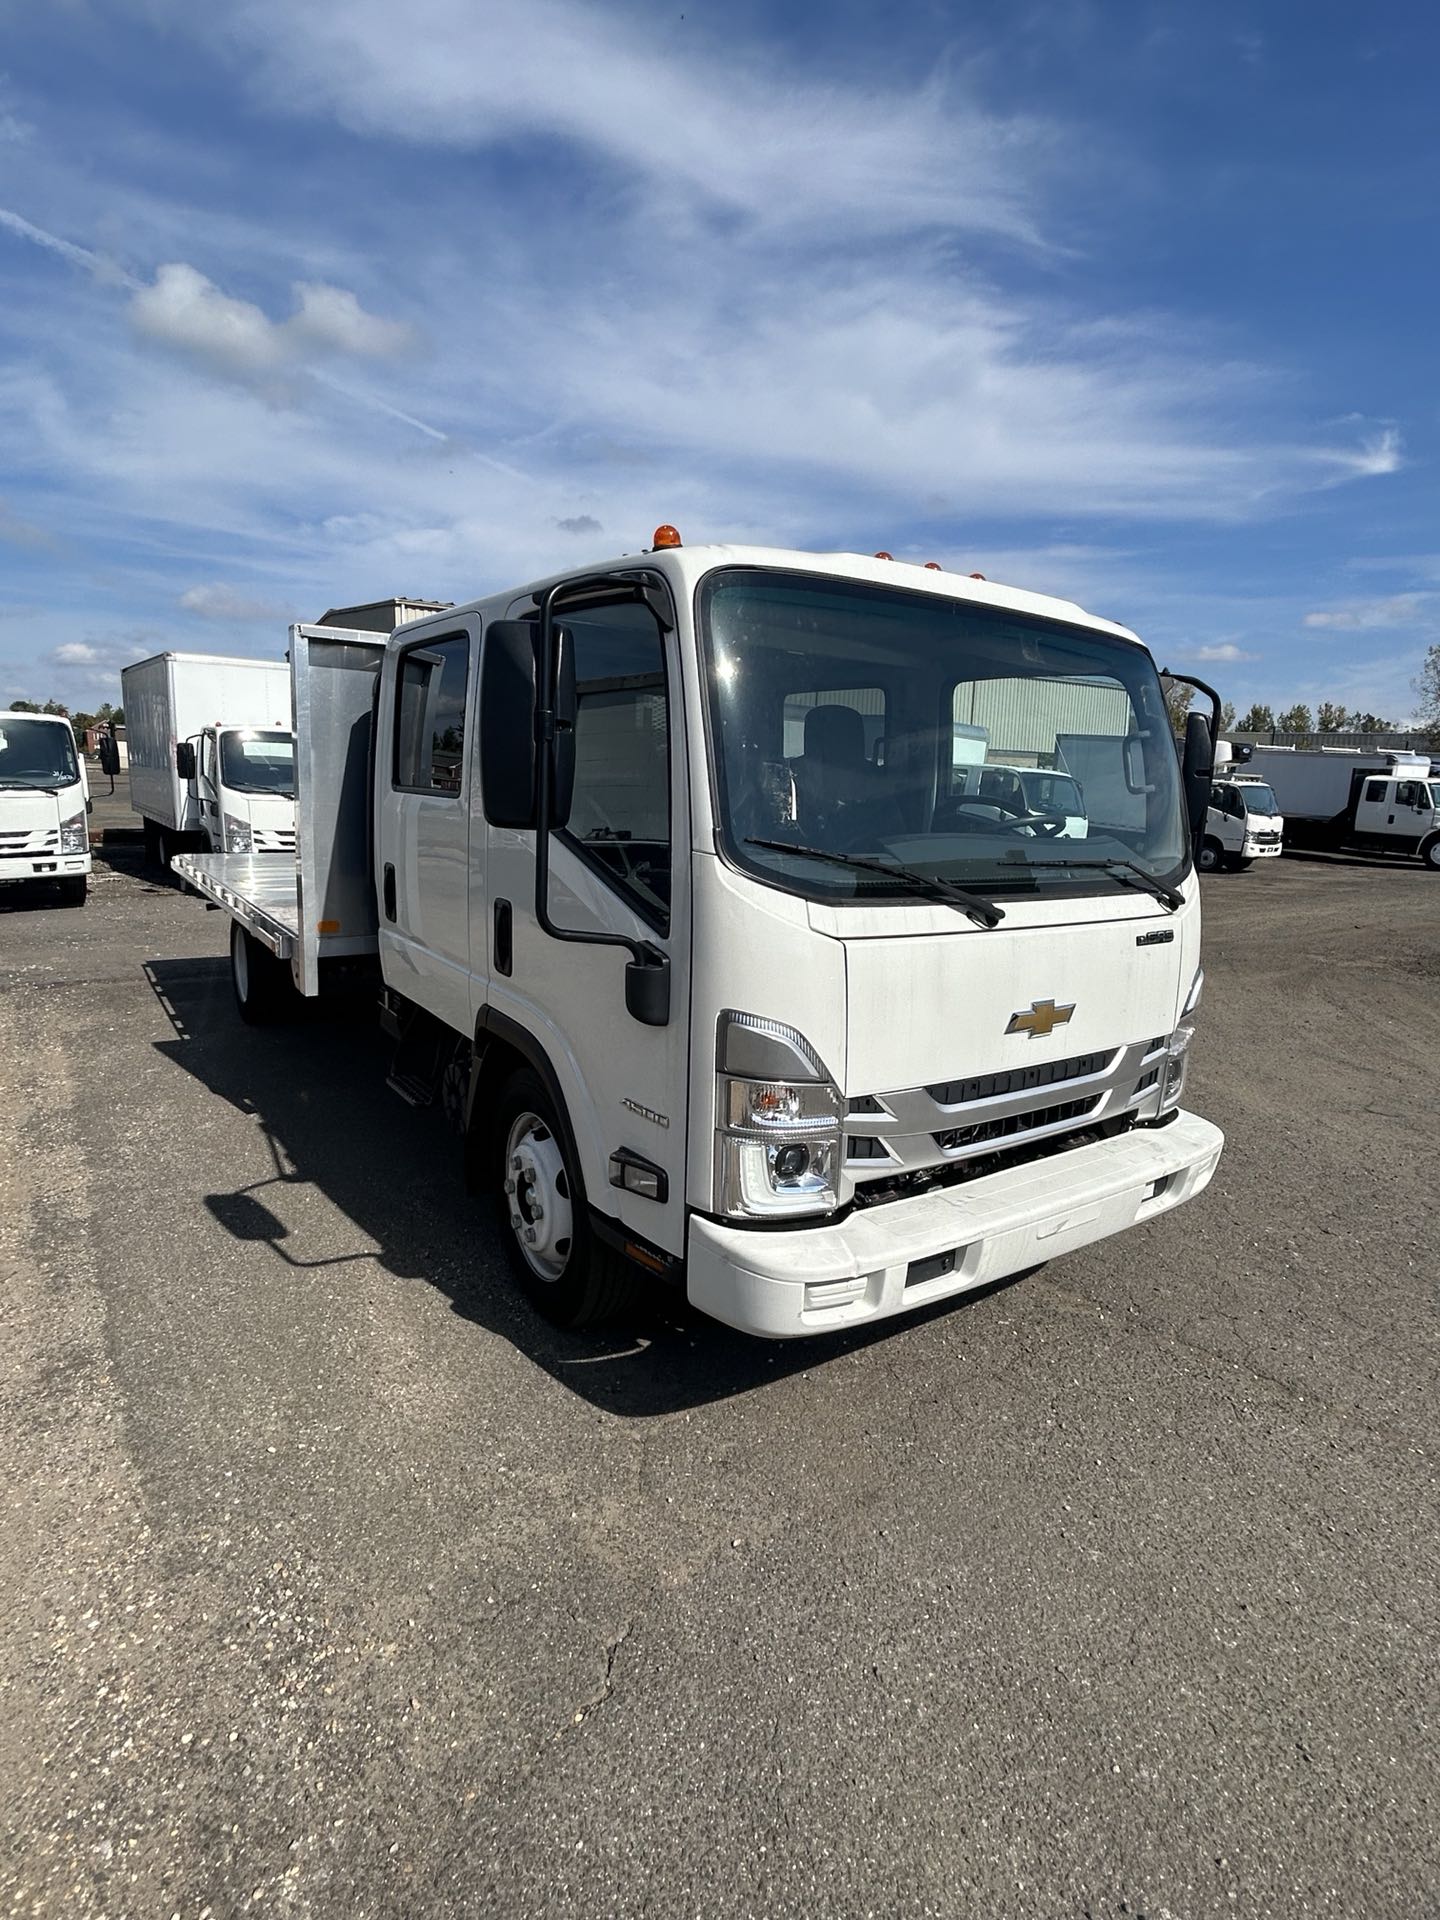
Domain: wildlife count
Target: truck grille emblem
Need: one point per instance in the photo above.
(1041, 1017)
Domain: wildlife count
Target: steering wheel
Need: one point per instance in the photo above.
(978, 816)
(1049, 826)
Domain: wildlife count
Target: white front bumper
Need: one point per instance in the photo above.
(42, 866)
(809, 1279)
(1254, 851)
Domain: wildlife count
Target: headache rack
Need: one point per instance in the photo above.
(317, 903)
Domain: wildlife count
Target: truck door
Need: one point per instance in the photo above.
(1376, 813)
(422, 781)
(620, 866)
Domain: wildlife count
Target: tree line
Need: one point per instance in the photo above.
(104, 715)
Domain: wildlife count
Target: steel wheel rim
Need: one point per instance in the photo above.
(538, 1195)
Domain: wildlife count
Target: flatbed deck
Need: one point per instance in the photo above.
(260, 890)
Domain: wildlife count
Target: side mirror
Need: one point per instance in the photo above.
(508, 747)
(1197, 766)
(185, 760)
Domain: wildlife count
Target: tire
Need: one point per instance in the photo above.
(75, 890)
(1210, 856)
(1237, 863)
(152, 841)
(1430, 853)
(264, 991)
(567, 1275)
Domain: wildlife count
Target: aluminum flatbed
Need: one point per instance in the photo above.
(319, 902)
(260, 890)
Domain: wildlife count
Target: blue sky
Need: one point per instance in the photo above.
(308, 301)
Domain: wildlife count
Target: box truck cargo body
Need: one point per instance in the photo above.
(44, 800)
(714, 991)
(211, 753)
(1334, 797)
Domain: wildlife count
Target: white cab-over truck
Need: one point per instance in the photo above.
(1244, 823)
(1336, 797)
(44, 798)
(212, 756)
(821, 1038)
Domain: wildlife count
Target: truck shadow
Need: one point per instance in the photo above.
(317, 1089)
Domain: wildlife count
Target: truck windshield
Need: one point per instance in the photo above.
(252, 761)
(37, 753)
(969, 744)
(1259, 799)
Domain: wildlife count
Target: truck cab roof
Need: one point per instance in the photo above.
(685, 567)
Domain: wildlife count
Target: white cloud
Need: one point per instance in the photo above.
(685, 109)
(329, 317)
(76, 653)
(1367, 616)
(1223, 650)
(184, 310)
(220, 602)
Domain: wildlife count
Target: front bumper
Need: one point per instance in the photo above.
(1262, 850)
(808, 1279)
(42, 866)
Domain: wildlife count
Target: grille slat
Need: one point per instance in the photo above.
(990, 1086)
(1007, 1128)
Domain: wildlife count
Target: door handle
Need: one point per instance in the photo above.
(389, 890)
(504, 943)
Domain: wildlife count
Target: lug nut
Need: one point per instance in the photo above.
(509, 1186)
(537, 1213)
(530, 1236)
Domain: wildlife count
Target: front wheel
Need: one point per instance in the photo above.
(1237, 863)
(264, 991)
(75, 890)
(1210, 856)
(1430, 853)
(572, 1278)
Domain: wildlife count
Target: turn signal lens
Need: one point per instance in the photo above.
(666, 536)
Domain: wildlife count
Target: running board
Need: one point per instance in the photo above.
(414, 1091)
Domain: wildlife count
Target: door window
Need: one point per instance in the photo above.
(430, 687)
(1375, 791)
(1407, 794)
(620, 817)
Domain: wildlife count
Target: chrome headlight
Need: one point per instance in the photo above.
(238, 837)
(777, 1145)
(73, 837)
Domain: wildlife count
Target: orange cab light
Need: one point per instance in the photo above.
(666, 536)
(882, 555)
(977, 576)
(933, 566)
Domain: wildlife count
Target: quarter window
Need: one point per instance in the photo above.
(430, 689)
(1375, 790)
(620, 814)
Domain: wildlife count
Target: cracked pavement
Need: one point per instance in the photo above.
(336, 1583)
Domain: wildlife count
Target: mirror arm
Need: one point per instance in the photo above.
(647, 974)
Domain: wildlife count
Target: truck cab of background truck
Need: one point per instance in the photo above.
(44, 800)
(1242, 824)
(753, 1004)
(240, 788)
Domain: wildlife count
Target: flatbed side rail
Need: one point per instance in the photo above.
(205, 872)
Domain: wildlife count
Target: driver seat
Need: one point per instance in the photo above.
(837, 791)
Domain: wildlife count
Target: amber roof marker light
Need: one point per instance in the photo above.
(666, 536)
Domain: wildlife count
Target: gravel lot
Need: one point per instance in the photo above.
(335, 1584)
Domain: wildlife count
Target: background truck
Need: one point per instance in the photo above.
(44, 800)
(212, 757)
(1243, 823)
(1332, 797)
(710, 992)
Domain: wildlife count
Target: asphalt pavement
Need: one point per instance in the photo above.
(336, 1583)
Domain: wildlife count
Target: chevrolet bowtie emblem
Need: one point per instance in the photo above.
(1039, 1018)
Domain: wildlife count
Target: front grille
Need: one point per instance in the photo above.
(29, 840)
(989, 1086)
(984, 1131)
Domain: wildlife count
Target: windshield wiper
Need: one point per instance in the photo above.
(983, 912)
(28, 786)
(1122, 869)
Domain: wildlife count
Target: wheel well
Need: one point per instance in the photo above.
(502, 1047)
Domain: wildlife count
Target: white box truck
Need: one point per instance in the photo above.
(1244, 823)
(1334, 797)
(44, 800)
(717, 997)
(212, 754)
